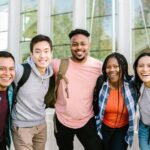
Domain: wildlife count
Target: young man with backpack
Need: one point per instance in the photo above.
(28, 115)
(7, 75)
(74, 109)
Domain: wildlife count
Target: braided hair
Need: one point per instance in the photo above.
(123, 65)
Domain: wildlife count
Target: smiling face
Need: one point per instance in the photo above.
(41, 55)
(7, 72)
(79, 47)
(143, 70)
(113, 71)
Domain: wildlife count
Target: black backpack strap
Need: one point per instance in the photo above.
(24, 78)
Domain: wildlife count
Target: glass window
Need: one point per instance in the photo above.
(28, 25)
(62, 6)
(25, 50)
(61, 25)
(28, 5)
(4, 18)
(141, 26)
(3, 2)
(101, 22)
(3, 40)
(61, 51)
(3, 25)
(102, 7)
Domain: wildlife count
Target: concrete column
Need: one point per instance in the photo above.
(124, 32)
(44, 9)
(14, 29)
(79, 14)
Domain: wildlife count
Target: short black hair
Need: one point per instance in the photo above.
(79, 31)
(6, 54)
(40, 38)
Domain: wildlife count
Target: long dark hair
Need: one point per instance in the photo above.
(137, 81)
(123, 71)
(123, 65)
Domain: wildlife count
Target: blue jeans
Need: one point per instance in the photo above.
(143, 134)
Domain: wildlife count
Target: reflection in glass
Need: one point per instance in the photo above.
(62, 25)
(62, 6)
(4, 18)
(3, 25)
(3, 40)
(61, 51)
(28, 5)
(102, 7)
(100, 54)
(29, 25)
(3, 2)
(139, 40)
(24, 50)
(101, 35)
(141, 25)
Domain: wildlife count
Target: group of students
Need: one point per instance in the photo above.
(120, 98)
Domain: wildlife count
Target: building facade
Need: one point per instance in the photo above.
(114, 25)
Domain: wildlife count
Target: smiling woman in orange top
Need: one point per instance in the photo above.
(115, 120)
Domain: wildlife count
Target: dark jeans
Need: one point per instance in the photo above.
(114, 138)
(2, 145)
(87, 135)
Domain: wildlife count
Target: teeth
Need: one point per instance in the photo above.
(145, 74)
(79, 52)
(6, 79)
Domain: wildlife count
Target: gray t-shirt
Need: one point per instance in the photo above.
(145, 106)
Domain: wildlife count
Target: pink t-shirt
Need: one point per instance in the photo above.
(75, 111)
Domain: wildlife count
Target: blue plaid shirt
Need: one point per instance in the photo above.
(129, 97)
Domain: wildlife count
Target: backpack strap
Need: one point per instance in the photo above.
(61, 75)
(23, 79)
(51, 95)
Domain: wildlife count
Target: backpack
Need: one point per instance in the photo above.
(23, 79)
(51, 95)
(97, 88)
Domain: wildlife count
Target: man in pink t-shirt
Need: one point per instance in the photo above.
(74, 112)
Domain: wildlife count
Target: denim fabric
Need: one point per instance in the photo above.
(143, 136)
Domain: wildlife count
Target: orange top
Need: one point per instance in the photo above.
(116, 115)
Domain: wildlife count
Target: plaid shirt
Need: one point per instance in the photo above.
(129, 97)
